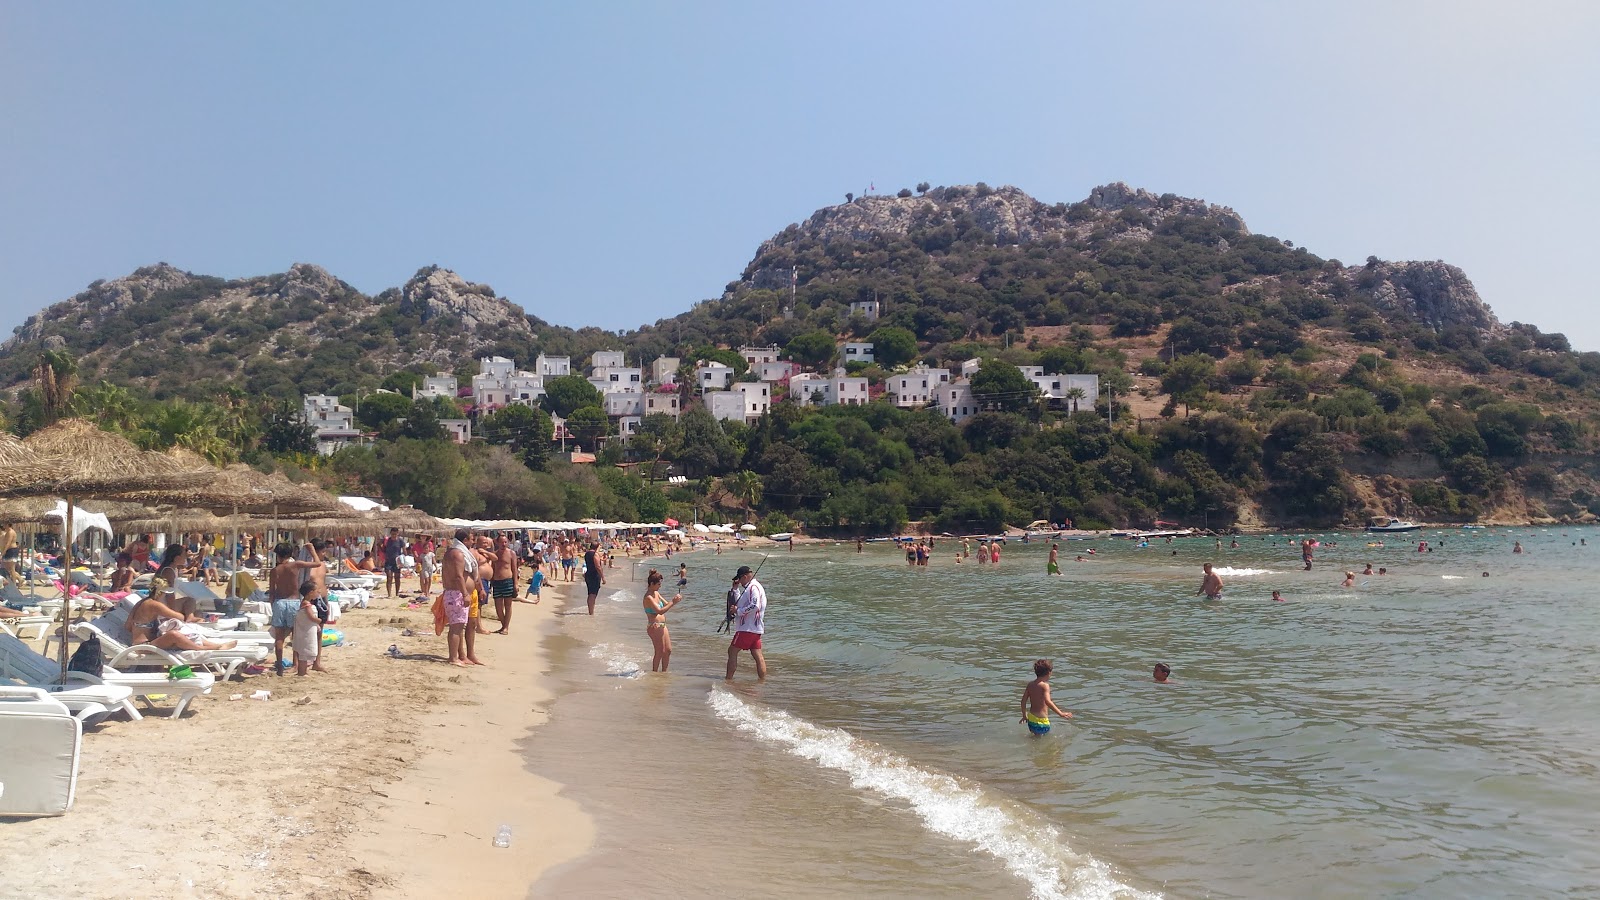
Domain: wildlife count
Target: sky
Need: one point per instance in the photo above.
(612, 163)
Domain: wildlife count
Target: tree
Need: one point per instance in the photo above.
(422, 422)
(377, 410)
(893, 346)
(849, 197)
(1187, 378)
(813, 349)
(55, 377)
(108, 405)
(1075, 396)
(517, 426)
(1000, 385)
(285, 430)
(403, 382)
(904, 193)
(587, 425)
(566, 393)
(745, 485)
(922, 187)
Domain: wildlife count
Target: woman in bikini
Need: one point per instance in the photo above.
(155, 623)
(655, 614)
(174, 563)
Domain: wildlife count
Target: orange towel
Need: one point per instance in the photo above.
(438, 615)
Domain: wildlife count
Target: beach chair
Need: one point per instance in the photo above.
(17, 624)
(115, 623)
(225, 663)
(39, 743)
(89, 698)
(143, 685)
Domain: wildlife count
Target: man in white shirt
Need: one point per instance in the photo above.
(750, 610)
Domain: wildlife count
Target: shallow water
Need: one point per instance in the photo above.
(1426, 733)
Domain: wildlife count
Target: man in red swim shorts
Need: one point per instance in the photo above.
(751, 608)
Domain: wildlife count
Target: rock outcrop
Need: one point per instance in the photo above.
(435, 293)
(1436, 294)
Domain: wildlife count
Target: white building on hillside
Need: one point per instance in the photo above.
(663, 404)
(606, 359)
(334, 423)
(916, 388)
(757, 399)
(498, 366)
(664, 370)
(857, 351)
(867, 309)
(624, 403)
(459, 430)
(552, 366)
(436, 386)
(724, 406)
(713, 376)
(617, 378)
(971, 367)
(774, 372)
(525, 388)
(1058, 388)
(956, 401)
(837, 389)
(756, 355)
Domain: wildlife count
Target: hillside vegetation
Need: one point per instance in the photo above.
(1251, 381)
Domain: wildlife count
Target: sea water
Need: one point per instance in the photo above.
(1426, 733)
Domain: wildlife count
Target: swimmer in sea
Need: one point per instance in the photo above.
(1036, 702)
(1367, 570)
(1277, 597)
(1349, 580)
(1163, 674)
(1210, 585)
(1517, 548)
(1382, 570)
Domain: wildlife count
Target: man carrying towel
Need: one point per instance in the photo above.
(750, 608)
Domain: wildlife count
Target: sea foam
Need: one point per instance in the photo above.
(1029, 847)
(617, 660)
(1240, 573)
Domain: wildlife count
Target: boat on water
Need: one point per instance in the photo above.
(1147, 535)
(781, 536)
(1389, 525)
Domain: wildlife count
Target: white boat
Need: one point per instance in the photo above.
(1046, 535)
(781, 536)
(1388, 525)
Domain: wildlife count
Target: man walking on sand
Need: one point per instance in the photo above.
(287, 576)
(393, 549)
(503, 582)
(458, 575)
(750, 608)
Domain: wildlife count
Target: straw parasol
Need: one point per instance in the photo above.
(73, 459)
(411, 520)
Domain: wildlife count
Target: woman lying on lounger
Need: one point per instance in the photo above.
(154, 622)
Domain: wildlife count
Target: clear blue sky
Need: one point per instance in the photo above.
(612, 163)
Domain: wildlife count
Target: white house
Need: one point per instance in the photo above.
(916, 388)
(956, 401)
(773, 372)
(628, 426)
(1056, 388)
(664, 370)
(867, 309)
(713, 376)
(436, 386)
(624, 403)
(552, 366)
(857, 351)
(605, 359)
(755, 355)
(525, 388)
(836, 389)
(757, 399)
(334, 423)
(665, 404)
(459, 430)
(617, 378)
(971, 367)
(725, 406)
(498, 366)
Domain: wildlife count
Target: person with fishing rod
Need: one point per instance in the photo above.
(747, 608)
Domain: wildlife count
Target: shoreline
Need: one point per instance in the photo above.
(383, 778)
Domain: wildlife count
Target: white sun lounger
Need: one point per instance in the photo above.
(129, 656)
(16, 624)
(39, 743)
(90, 699)
(143, 685)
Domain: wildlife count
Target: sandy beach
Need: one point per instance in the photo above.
(383, 778)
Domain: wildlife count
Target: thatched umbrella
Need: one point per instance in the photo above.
(411, 520)
(73, 459)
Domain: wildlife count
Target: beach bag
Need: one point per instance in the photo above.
(87, 658)
(320, 604)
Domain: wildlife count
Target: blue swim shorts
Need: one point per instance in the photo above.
(283, 612)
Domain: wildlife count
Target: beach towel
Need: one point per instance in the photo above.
(438, 615)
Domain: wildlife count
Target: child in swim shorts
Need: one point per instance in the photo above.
(1036, 702)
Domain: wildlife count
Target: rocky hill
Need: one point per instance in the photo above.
(180, 334)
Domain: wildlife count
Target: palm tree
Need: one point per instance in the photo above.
(55, 377)
(1074, 395)
(745, 485)
(108, 405)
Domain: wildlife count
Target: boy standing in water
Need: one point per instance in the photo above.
(1036, 702)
